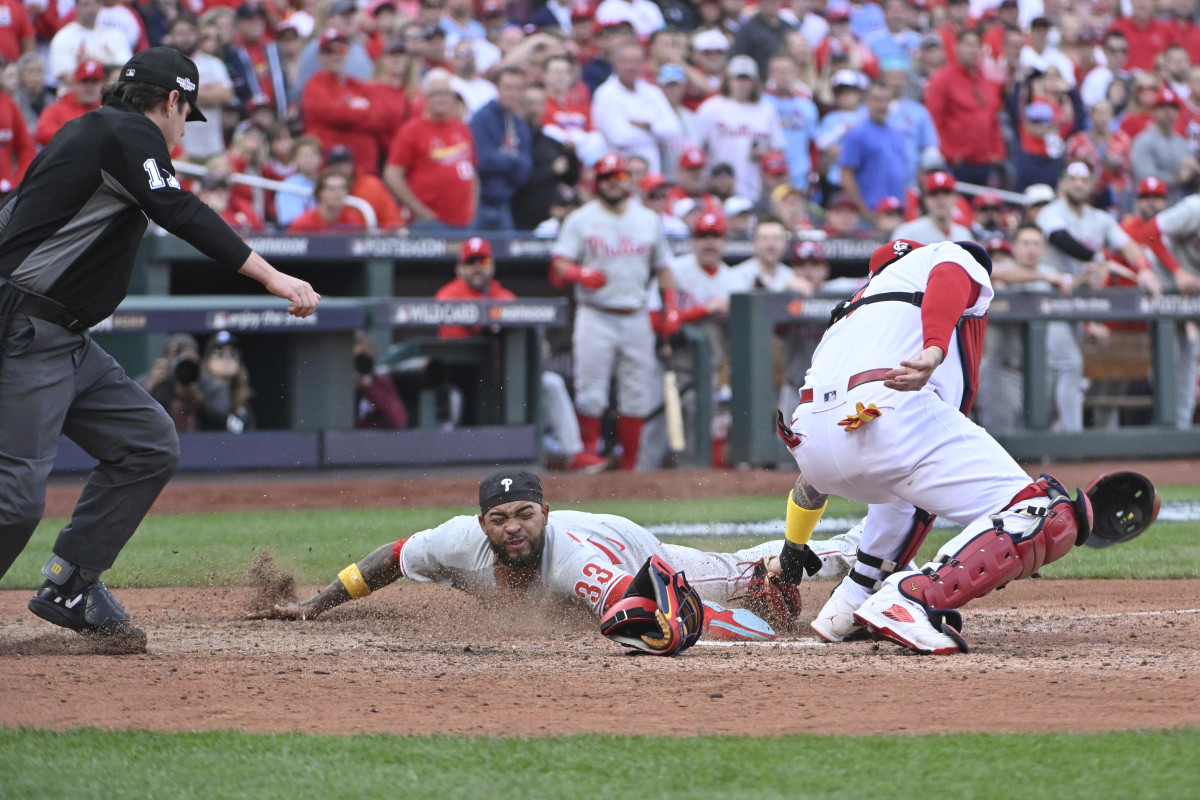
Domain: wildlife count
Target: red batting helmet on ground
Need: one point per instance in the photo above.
(611, 164)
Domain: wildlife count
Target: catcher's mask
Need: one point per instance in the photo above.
(1123, 505)
(660, 612)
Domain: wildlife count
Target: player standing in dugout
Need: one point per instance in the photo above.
(68, 238)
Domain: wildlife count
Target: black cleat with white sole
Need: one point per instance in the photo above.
(90, 609)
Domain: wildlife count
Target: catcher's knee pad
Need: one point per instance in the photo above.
(991, 558)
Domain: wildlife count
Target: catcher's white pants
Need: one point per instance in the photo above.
(721, 577)
(920, 452)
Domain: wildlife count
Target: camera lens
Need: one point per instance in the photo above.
(364, 364)
(185, 370)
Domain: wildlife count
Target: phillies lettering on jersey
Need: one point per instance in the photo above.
(599, 247)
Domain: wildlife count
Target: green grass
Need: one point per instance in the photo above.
(217, 549)
(1146, 765)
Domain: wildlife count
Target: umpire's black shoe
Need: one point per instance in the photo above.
(90, 609)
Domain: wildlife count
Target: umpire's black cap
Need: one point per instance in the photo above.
(507, 486)
(166, 68)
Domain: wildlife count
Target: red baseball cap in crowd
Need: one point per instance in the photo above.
(330, 38)
(1166, 97)
(692, 157)
(710, 223)
(887, 253)
(491, 8)
(650, 182)
(582, 9)
(475, 249)
(611, 164)
(807, 251)
(987, 199)
(89, 71)
(774, 163)
(939, 182)
(889, 205)
(1152, 187)
(998, 244)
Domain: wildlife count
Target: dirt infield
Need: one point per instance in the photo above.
(1047, 655)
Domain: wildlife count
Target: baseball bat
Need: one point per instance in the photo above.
(673, 412)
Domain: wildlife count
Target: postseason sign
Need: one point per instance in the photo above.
(412, 312)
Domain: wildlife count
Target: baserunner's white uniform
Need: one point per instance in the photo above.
(612, 324)
(922, 451)
(585, 555)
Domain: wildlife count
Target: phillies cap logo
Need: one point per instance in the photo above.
(507, 482)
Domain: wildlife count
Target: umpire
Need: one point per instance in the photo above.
(68, 237)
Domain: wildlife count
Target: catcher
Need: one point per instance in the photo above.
(632, 581)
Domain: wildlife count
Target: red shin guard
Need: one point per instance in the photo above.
(629, 434)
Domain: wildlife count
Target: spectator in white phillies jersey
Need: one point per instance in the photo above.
(517, 549)
(1078, 235)
(738, 127)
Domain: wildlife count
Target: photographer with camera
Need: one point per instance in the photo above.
(194, 400)
(377, 402)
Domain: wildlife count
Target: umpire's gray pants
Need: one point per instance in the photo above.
(56, 382)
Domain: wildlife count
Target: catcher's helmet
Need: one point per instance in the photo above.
(978, 253)
(1123, 505)
(611, 164)
(887, 253)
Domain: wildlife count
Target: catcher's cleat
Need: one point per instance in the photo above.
(735, 624)
(588, 463)
(90, 609)
(835, 621)
(906, 622)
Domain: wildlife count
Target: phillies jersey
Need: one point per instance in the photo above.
(1181, 223)
(1092, 228)
(883, 334)
(627, 247)
(697, 286)
(584, 555)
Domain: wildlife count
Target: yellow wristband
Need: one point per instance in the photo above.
(801, 522)
(352, 579)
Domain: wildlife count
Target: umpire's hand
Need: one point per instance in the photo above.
(303, 300)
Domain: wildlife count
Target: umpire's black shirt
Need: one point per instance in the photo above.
(72, 228)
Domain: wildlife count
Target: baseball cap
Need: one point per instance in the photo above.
(843, 200)
(331, 37)
(846, 78)
(215, 179)
(250, 10)
(742, 67)
(1152, 187)
(565, 195)
(1038, 193)
(710, 223)
(343, 8)
(582, 9)
(221, 339)
(1078, 169)
(166, 68)
(491, 8)
(710, 40)
(939, 182)
(1166, 97)
(737, 205)
(997, 245)
(89, 71)
(432, 32)
(987, 199)
(724, 168)
(783, 190)
(837, 14)
(475, 249)
(339, 154)
(774, 163)
(805, 250)
(507, 486)
(889, 205)
(375, 6)
(931, 40)
(652, 181)
(670, 73)
(887, 253)
(691, 158)
(1039, 112)
(932, 159)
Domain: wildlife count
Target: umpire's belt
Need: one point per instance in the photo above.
(35, 305)
(620, 312)
(806, 395)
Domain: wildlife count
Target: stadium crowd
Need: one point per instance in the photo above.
(1057, 132)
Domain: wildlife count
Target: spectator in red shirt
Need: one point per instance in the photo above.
(431, 163)
(16, 145)
(368, 187)
(83, 97)
(1137, 114)
(392, 88)
(16, 30)
(964, 106)
(1147, 36)
(331, 213)
(958, 13)
(1184, 29)
(339, 109)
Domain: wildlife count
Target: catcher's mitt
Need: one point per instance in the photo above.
(1123, 505)
(769, 596)
(660, 613)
